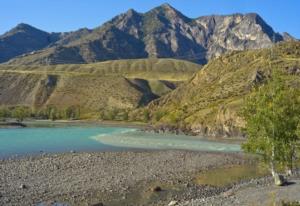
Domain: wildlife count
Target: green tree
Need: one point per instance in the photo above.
(146, 115)
(158, 115)
(20, 113)
(53, 115)
(4, 113)
(101, 115)
(112, 114)
(272, 116)
(125, 115)
(72, 112)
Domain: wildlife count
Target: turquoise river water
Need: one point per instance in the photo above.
(24, 141)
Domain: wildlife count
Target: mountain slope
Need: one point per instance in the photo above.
(160, 32)
(215, 94)
(24, 39)
(111, 85)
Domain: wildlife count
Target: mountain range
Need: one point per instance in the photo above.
(162, 32)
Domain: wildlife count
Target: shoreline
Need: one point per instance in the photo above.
(138, 125)
(85, 122)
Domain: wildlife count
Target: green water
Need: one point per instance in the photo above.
(225, 176)
(23, 141)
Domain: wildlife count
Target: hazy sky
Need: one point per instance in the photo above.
(67, 15)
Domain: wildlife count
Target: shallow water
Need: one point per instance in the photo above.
(225, 176)
(22, 141)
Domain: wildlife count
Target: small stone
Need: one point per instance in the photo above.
(228, 193)
(156, 189)
(98, 204)
(173, 203)
(22, 186)
(187, 185)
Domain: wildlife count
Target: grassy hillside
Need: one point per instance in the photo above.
(112, 85)
(209, 103)
(155, 69)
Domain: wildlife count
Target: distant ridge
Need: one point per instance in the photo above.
(162, 32)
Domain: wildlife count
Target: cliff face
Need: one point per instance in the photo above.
(210, 102)
(160, 32)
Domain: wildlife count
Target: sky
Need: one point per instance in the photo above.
(70, 15)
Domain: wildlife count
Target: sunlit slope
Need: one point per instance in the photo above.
(209, 103)
(121, 84)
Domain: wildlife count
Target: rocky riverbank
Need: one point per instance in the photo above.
(130, 178)
(261, 191)
(111, 178)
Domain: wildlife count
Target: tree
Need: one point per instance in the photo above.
(72, 112)
(125, 115)
(146, 115)
(112, 114)
(272, 116)
(20, 113)
(4, 113)
(53, 114)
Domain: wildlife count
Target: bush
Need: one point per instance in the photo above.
(158, 115)
(4, 113)
(20, 113)
(146, 115)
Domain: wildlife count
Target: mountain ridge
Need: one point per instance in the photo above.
(162, 32)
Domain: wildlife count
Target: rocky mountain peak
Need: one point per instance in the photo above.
(168, 11)
(268, 30)
(131, 12)
(22, 27)
(167, 6)
(128, 22)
